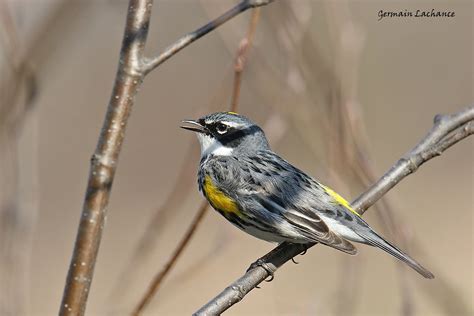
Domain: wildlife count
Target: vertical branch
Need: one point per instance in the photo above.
(133, 67)
(104, 159)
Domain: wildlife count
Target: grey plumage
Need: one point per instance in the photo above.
(277, 202)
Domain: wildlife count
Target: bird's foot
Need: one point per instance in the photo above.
(261, 263)
(301, 254)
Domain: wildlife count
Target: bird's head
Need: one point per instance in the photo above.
(227, 133)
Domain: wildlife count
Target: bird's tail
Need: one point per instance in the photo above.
(376, 240)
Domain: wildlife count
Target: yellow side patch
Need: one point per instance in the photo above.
(339, 199)
(234, 113)
(218, 199)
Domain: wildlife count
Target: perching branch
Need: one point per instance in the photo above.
(132, 69)
(447, 131)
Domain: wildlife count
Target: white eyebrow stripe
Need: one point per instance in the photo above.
(231, 124)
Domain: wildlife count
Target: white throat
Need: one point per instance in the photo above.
(211, 146)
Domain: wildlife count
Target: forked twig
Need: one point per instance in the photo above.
(132, 68)
(244, 5)
(447, 130)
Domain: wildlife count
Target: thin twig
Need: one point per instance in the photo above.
(344, 140)
(239, 67)
(436, 141)
(155, 284)
(191, 37)
(133, 67)
(432, 145)
(241, 58)
(160, 218)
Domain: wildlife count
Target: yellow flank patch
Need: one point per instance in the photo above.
(234, 113)
(218, 199)
(339, 199)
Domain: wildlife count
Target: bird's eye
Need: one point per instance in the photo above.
(221, 128)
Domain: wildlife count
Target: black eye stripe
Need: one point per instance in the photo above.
(234, 137)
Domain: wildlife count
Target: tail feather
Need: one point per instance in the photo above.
(374, 239)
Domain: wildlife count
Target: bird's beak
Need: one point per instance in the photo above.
(196, 127)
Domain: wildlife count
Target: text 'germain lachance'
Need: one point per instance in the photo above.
(416, 14)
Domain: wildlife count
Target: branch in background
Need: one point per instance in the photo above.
(156, 282)
(447, 130)
(344, 142)
(160, 218)
(241, 58)
(349, 146)
(133, 67)
(18, 205)
(239, 67)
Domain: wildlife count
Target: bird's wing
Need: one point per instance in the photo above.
(308, 224)
(282, 190)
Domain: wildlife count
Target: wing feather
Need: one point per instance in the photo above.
(310, 225)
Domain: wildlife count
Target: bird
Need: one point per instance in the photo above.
(267, 197)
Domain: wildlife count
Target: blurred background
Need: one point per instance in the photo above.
(340, 94)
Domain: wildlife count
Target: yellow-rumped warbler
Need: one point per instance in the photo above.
(267, 197)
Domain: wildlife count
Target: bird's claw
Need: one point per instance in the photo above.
(264, 265)
(301, 254)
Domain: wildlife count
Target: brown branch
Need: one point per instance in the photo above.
(104, 160)
(436, 141)
(350, 147)
(133, 67)
(160, 218)
(156, 282)
(241, 58)
(239, 67)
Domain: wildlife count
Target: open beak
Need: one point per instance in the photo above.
(195, 126)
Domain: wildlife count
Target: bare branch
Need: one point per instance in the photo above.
(104, 160)
(160, 218)
(437, 140)
(191, 37)
(155, 284)
(241, 58)
(431, 146)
